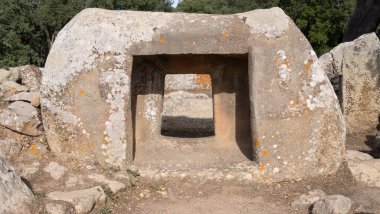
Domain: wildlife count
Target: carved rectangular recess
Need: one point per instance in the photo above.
(187, 106)
(228, 86)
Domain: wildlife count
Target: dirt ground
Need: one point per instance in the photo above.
(186, 195)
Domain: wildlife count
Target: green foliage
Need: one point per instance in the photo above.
(133, 172)
(28, 28)
(105, 210)
(223, 6)
(107, 190)
(322, 21)
(39, 194)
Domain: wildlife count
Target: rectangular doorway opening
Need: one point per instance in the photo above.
(187, 106)
(208, 93)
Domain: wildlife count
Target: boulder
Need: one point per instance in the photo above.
(9, 88)
(86, 95)
(332, 204)
(83, 200)
(9, 75)
(353, 155)
(357, 65)
(21, 117)
(31, 77)
(305, 200)
(115, 186)
(31, 97)
(15, 196)
(366, 171)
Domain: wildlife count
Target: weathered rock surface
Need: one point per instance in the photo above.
(31, 97)
(9, 88)
(332, 204)
(9, 75)
(363, 167)
(9, 148)
(31, 77)
(29, 169)
(115, 186)
(15, 196)
(87, 94)
(359, 63)
(366, 171)
(353, 155)
(54, 208)
(55, 170)
(74, 180)
(21, 117)
(305, 200)
(83, 200)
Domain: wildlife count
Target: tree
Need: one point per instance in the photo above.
(28, 28)
(322, 21)
(223, 6)
(19, 37)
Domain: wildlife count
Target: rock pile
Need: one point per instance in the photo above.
(20, 96)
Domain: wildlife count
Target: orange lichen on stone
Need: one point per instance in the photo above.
(33, 149)
(162, 40)
(90, 145)
(278, 62)
(261, 167)
(265, 152)
(307, 66)
(82, 92)
(257, 142)
(203, 81)
(225, 34)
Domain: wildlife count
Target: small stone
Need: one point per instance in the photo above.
(73, 181)
(54, 208)
(29, 169)
(333, 204)
(366, 171)
(248, 176)
(37, 150)
(55, 170)
(31, 97)
(21, 117)
(308, 198)
(229, 177)
(9, 88)
(31, 76)
(115, 186)
(83, 200)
